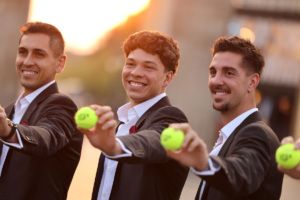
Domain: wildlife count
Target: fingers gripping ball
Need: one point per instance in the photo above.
(287, 156)
(171, 139)
(86, 118)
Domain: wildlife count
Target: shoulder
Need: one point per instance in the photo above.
(171, 112)
(57, 102)
(259, 131)
(59, 98)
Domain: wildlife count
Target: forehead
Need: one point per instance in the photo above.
(35, 41)
(143, 56)
(226, 59)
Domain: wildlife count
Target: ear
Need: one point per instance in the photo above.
(253, 82)
(61, 63)
(168, 78)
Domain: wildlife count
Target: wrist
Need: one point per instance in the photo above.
(202, 165)
(11, 132)
(117, 149)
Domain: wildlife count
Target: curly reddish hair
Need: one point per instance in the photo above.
(155, 43)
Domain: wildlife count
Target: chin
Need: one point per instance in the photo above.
(221, 108)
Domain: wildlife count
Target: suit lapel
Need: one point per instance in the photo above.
(34, 104)
(254, 117)
(161, 103)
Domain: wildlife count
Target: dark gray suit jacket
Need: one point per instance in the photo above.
(44, 168)
(149, 174)
(248, 168)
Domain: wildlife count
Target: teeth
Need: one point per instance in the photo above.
(136, 84)
(29, 72)
(221, 92)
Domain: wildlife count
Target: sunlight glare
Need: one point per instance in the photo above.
(84, 22)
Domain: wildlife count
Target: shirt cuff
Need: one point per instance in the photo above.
(18, 145)
(213, 167)
(127, 152)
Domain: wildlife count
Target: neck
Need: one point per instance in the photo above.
(229, 115)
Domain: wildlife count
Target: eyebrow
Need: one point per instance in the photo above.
(146, 62)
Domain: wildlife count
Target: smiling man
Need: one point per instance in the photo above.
(241, 165)
(133, 164)
(39, 143)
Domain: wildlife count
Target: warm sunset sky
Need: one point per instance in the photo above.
(84, 22)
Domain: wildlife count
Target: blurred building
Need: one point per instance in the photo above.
(13, 13)
(273, 25)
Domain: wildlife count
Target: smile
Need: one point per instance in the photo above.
(136, 84)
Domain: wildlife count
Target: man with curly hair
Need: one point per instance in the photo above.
(133, 164)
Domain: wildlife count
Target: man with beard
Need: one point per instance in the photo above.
(241, 165)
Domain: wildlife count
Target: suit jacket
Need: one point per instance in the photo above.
(149, 174)
(248, 168)
(44, 167)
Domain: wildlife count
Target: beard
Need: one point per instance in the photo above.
(221, 108)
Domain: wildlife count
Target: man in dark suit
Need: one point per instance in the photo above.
(133, 165)
(39, 143)
(241, 165)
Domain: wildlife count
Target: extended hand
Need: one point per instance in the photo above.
(4, 127)
(193, 152)
(102, 136)
(295, 172)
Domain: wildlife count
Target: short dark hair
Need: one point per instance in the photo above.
(252, 57)
(155, 43)
(57, 43)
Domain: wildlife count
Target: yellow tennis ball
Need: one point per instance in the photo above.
(171, 139)
(86, 118)
(287, 156)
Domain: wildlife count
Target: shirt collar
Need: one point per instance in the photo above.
(30, 97)
(127, 112)
(228, 129)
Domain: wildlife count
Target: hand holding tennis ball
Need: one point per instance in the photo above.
(287, 156)
(172, 139)
(86, 118)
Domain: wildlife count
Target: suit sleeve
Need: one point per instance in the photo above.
(248, 162)
(50, 128)
(145, 144)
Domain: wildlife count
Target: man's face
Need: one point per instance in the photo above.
(36, 64)
(144, 76)
(229, 84)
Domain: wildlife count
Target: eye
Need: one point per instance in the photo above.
(39, 54)
(129, 64)
(149, 67)
(230, 73)
(212, 72)
(22, 51)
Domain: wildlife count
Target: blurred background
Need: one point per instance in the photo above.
(95, 29)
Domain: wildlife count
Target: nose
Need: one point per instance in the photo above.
(28, 61)
(137, 71)
(217, 79)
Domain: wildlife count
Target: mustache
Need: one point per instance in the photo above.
(215, 88)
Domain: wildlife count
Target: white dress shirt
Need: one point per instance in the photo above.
(224, 134)
(20, 108)
(128, 116)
